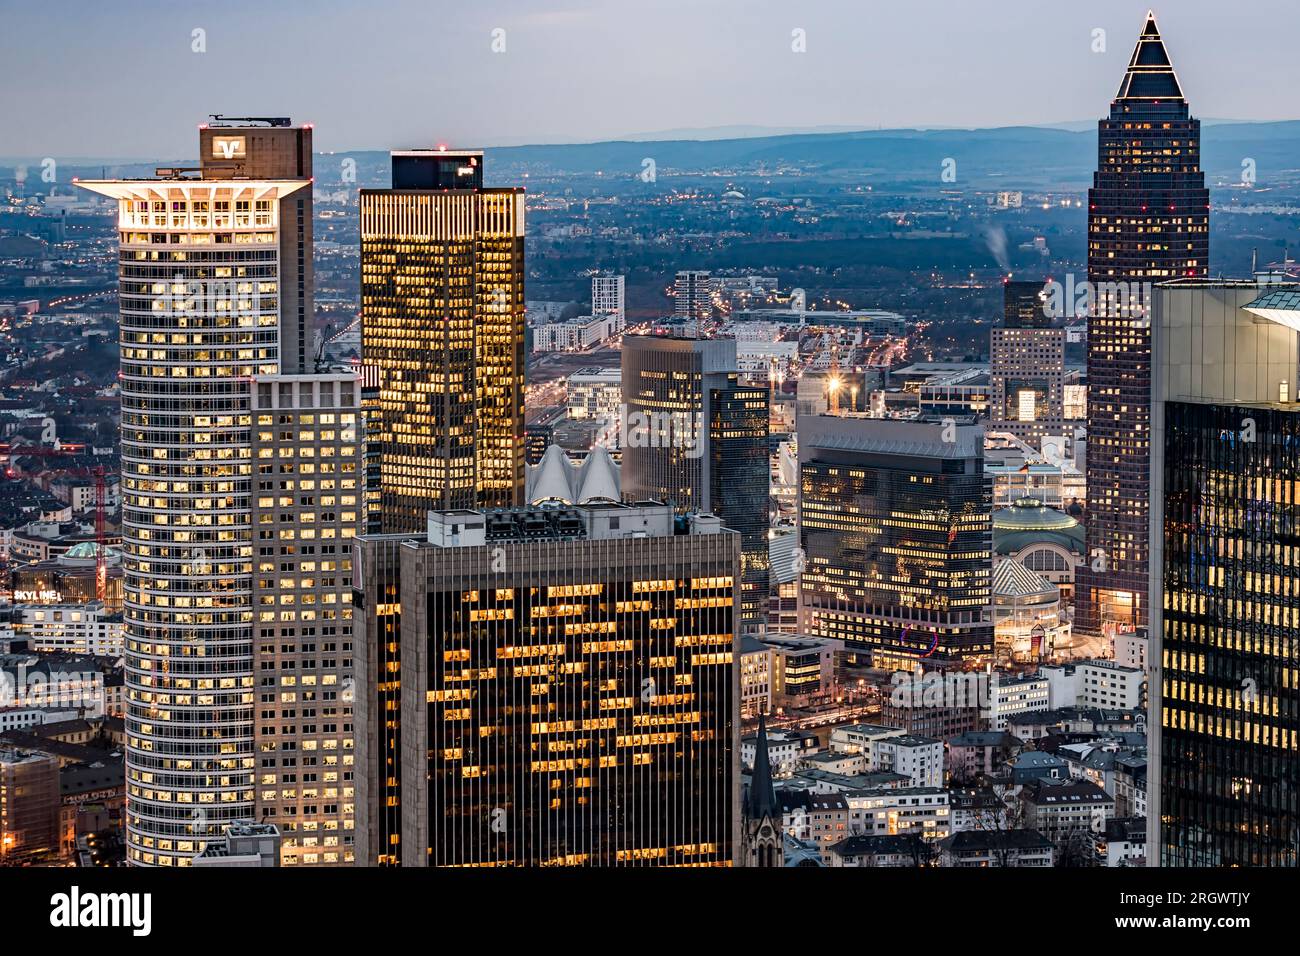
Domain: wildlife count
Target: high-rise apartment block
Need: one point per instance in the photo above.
(607, 298)
(896, 530)
(693, 295)
(1148, 222)
(1225, 485)
(567, 687)
(215, 291)
(442, 301)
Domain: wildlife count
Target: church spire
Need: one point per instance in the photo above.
(762, 796)
(1150, 74)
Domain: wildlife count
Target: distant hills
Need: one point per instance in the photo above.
(1015, 157)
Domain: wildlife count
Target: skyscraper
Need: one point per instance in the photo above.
(896, 530)
(309, 504)
(568, 688)
(442, 300)
(1148, 221)
(1224, 733)
(215, 297)
(1027, 366)
(696, 438)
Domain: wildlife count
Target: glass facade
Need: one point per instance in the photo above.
(442, 298)
(897, 552)
(739, 473)
(572, 702)
(1230, 663)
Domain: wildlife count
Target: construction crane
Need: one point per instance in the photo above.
(101, 563)
(833, 386)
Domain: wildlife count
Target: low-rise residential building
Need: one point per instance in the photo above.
(1031, 766)
(786, 749)
(1111, 685)
(979, 752)
(70, 628)
(919, 758)
(1059, 810)
(880, 850)
(1014, 695)
(860, 738)
(894, 810)
(985, 848)
(1123, 842)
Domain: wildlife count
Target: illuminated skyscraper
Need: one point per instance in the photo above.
(1224, 736)
(215, 294)
(567, 688)
(697, 439)
(896, 530)
(442, 301)
(1148, 222)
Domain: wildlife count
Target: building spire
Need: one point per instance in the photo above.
(1150, 73)
(762, 797)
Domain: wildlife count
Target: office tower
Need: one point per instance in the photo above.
(567, 688)
(369, 381)
(607, 299)
(1225, 449)
(215, 297)
(693, 295)
(740, 486)
(1148, 222)
(308, 505)
(442, 302)
(537, 438)
(1027, 366)
(895, 526)
(377, 601)
(696, 438)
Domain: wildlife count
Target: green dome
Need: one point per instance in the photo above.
(1030, 514)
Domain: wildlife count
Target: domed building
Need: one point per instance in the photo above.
(69, 578)
(1040, 539)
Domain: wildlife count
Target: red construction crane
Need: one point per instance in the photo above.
(101, 565)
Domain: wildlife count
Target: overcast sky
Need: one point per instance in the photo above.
(120, 78)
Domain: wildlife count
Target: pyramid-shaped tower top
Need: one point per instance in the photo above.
(1150, 75)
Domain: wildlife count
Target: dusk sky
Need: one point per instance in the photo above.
(120, 78)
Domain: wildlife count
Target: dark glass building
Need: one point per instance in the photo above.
(896, 530)
(1225, 723)
(1148, 222)
(696, 438)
